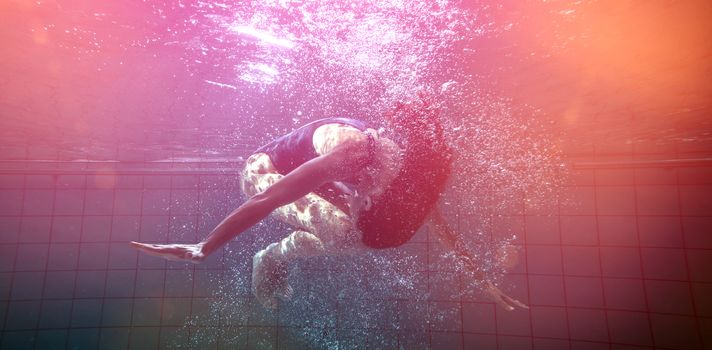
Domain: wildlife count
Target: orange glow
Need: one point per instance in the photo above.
(40, 36)
(601, 61)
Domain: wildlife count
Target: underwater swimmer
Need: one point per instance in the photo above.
(345, 188)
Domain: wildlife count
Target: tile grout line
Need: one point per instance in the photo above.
(563, 273)
(641, 261)
(108, 259)
(600, 261)
(532, 244)
(690, 285)
(427, 278)
(193, 268)
(320, 270)
(14, 261)
(76, 265)
(136, 263)
(526, 270)
(165, 269)
(563, 215)
(461, 283)
(49, 246)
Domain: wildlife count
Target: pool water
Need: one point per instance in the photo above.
(583, 150)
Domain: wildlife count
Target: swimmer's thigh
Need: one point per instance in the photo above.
(310, 213)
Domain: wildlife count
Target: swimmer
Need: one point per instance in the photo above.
(345, 188)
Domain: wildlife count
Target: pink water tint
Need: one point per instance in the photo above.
(613, 255)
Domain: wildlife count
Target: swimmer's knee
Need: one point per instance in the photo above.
(299, 244)
(306, 240)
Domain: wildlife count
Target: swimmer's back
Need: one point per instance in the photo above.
(310, 141)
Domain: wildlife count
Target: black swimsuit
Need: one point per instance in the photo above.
(403, 206)
(297, 147)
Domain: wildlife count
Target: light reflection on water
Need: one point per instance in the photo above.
(212, 80)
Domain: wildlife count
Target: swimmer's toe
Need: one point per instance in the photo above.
(269, 280)
(270, 303)
(286, 292)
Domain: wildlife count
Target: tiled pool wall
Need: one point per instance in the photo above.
(620, 261)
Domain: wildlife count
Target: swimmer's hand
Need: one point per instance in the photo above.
(502, 299)
(181, 252)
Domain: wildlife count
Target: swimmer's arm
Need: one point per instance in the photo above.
(339, 164)
(450, 239)
(447, 236)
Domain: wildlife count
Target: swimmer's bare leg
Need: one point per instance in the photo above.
(321, 228)
(270, 275)
(337, 165)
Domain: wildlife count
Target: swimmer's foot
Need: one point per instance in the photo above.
(270, 280)
(285, 291)
(505, 301)
(508, 256)
(180, 252)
